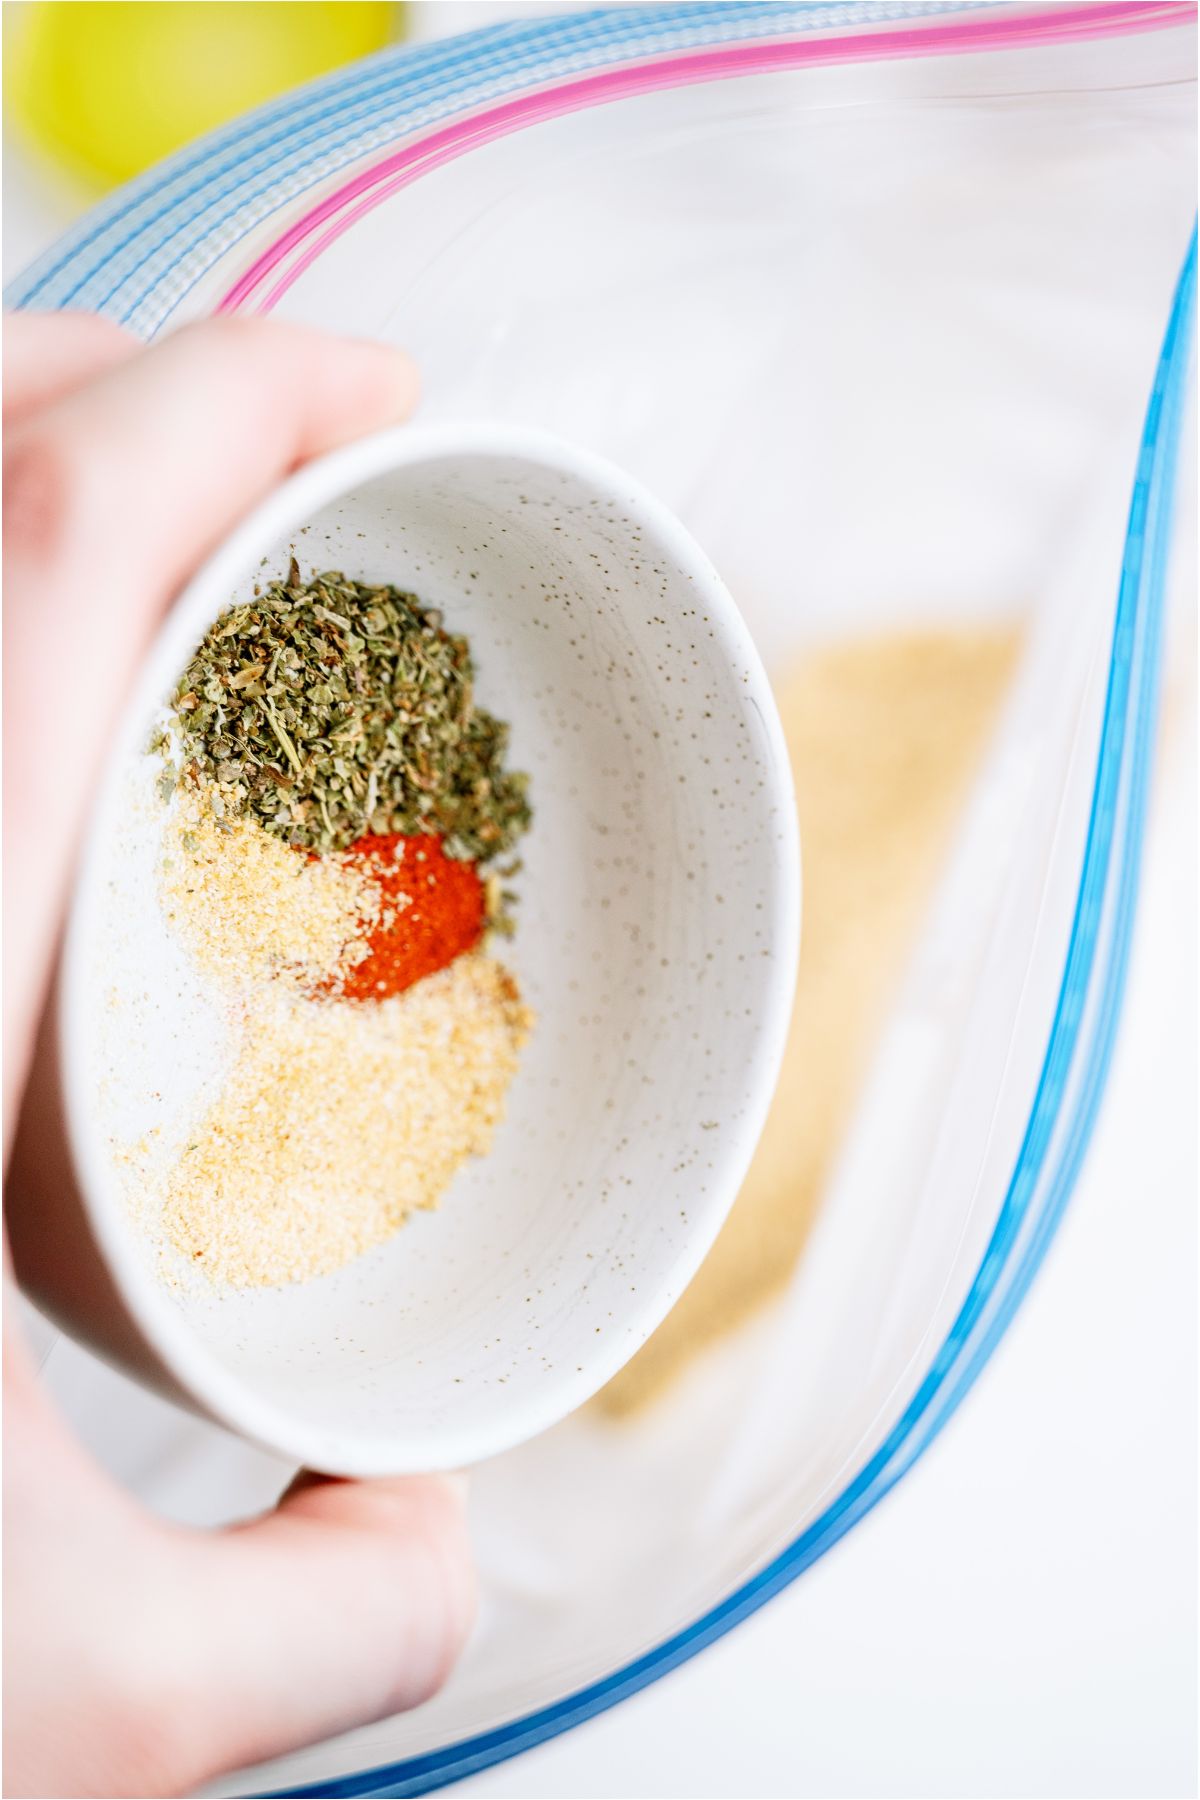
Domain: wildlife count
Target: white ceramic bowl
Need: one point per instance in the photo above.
(658, 925)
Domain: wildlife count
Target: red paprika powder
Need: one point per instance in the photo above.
(433, 909)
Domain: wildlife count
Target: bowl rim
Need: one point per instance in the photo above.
(189, 1362)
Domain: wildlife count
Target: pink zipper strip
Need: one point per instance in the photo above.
(1054, 25)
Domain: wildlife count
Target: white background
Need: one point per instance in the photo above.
(1019, 1616)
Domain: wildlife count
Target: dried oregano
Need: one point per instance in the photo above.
(327, 709)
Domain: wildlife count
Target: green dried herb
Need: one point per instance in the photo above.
(328, 709)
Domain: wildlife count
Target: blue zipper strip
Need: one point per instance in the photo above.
(120, 259)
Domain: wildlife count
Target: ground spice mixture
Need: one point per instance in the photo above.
(334, 800)
(885, 736)
(338, 1121)
(430, 909)
(249, 909)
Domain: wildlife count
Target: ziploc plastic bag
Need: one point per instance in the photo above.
(893, 305)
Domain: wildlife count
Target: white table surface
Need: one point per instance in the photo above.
(1019, 1617)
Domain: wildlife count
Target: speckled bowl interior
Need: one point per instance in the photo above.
(656, 937)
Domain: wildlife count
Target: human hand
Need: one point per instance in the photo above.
(141, 1658)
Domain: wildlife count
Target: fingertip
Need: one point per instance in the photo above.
(318, 391)
(388, 382)
(428, 1510)
(455, 1580)
(421, 1521)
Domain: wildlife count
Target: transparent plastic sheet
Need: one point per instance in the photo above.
(904, 342)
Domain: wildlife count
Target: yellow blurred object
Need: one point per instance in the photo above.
(111, 88)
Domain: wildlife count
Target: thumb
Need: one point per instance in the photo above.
(350, 1602)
